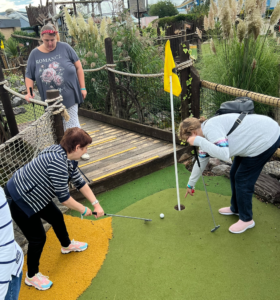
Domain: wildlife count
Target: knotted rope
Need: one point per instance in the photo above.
(57, 107)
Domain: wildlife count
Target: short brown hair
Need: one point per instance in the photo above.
(187, 126)
(73, 137)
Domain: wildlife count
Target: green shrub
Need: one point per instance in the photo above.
(162, 22)
(163, 8)
(23, 33)
(2, 37)
(240, 57)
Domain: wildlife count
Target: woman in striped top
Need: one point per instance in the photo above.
(11, 256)
(31, 190)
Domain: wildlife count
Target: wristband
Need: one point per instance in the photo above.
(189, 186)
(83, 89)
(84, 212)
(95, 202)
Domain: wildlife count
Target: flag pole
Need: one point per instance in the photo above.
(174, 142)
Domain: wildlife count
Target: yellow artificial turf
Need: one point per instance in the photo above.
(71, 273)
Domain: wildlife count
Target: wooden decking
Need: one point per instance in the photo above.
(118, 155)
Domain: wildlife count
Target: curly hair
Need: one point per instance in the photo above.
(188, 125)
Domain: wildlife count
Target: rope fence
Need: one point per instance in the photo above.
(264, 99)
(15, 68)
(108, 67)
(170, 37)
(22, 148)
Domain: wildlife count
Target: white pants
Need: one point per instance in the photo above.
(74, 119)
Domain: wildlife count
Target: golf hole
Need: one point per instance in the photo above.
(181, 206)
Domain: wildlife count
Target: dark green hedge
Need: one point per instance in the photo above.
(170, 20)
(23, 33)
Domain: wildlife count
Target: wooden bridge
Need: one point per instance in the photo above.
(119, 155)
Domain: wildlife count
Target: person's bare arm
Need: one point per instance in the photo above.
(29, 83)
(73, 204)
(87, 192)
(81, 77)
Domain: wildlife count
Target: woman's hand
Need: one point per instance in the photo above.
(191, 139)
(28, 96)
(84, 93)
(189, 191)
(99, 210)
(88, 213)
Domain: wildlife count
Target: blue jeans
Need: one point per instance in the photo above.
(14, 287)
(243, 175)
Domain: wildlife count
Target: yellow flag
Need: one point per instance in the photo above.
(169, 64)
(2, 45)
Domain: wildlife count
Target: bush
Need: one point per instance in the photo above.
(2, 37)
(162, 22)
(23, 33)
(163, 9)
(241, 58)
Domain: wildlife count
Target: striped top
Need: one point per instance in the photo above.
(47, 176)
(11, 256)
(253, 136)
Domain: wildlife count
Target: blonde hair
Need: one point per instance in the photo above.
(188, 125)
(50, 26)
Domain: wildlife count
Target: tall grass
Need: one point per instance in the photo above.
(242, 58)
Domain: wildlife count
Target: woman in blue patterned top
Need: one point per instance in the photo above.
(55, 65)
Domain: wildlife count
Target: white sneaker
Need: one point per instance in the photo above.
(85, 156)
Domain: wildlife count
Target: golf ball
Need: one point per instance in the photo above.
(161, 216)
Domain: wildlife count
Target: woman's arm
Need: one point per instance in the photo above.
(73, 204)
(29, 83)
(81, 77)
(87, 192)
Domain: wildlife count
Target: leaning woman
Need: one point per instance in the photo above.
(252, 144)
(30, 192)
(55, 65)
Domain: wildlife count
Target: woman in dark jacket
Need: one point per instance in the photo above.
(30, 192)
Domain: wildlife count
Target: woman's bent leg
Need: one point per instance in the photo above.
(54, 217)
(235, 165)
(245, 179)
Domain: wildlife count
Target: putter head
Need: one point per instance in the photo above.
(147, 220)
(214, 229)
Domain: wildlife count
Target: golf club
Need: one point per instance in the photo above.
(110, 215)
(196, 157)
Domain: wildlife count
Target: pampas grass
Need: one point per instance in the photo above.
(225, 18)
(253, 18)
(275, 16)
(206, 23)
(241, 30)
(243, 58)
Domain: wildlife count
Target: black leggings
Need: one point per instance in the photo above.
(34, 231)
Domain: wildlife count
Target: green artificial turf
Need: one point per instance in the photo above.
(115, 200)
(179, 258)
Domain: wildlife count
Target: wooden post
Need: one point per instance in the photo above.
(21, 62)
(112, 80)
(198, 46)
(74, 6)
(159, 36)
(195, 93)
(58, 123)
(7, 105)
(184, 76)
